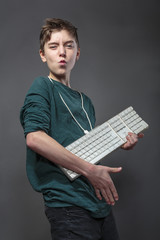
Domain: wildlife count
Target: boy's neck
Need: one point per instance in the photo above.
(62, 79)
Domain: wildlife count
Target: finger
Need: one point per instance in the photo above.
(128, 145)
(132, 138)
(114, 192)
(136, 136)
(107, 197)
(111, 192)
(98, 194)
(140, 135)
(114, 170)
(110, 195)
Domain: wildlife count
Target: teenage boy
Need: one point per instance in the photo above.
(52, 118)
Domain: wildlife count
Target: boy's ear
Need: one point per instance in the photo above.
(42, 55)
(78, 54)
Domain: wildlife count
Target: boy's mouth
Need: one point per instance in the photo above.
(62, 61)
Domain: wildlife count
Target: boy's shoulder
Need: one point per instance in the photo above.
(40, 82)
(40, 85)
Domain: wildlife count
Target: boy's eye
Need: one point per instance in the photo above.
(53, 46)
(69, 45)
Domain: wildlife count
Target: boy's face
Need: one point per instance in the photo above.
(60, 53)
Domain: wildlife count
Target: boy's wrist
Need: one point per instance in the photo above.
(89, 169)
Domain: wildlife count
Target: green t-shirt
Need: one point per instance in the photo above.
(44, 110)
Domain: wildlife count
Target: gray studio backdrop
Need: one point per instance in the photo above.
(119, 66)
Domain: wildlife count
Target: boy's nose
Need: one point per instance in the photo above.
(62, 51)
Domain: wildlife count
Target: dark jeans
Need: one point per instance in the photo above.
(75, 223)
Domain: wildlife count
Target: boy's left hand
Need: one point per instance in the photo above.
(132, 140)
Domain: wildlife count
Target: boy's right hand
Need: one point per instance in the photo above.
(100, 179)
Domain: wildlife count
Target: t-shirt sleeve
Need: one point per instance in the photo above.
(35, 113)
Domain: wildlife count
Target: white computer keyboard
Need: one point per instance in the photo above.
(105, 138)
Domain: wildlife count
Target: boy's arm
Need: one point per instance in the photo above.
(98, 175)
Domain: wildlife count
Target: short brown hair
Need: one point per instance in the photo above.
(56, 24)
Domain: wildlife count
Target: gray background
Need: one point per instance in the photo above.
(119, 66)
